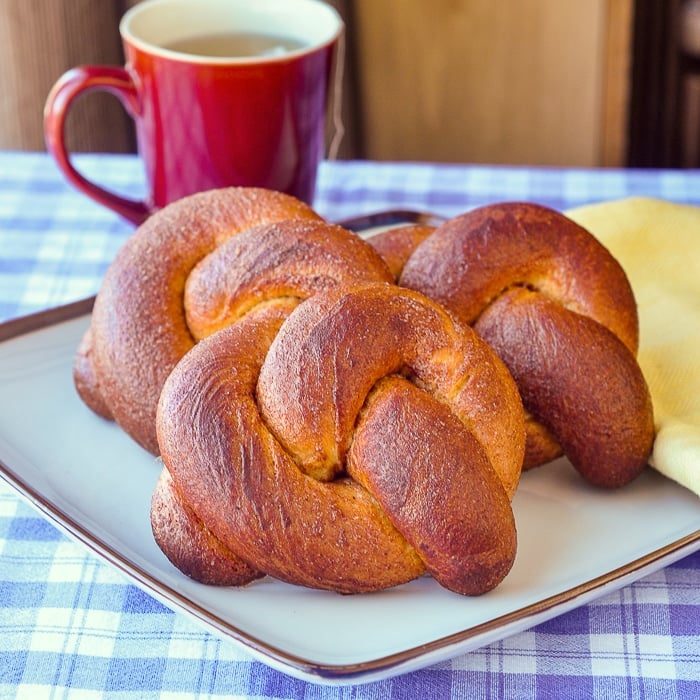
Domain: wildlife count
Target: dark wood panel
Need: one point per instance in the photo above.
(654, 134)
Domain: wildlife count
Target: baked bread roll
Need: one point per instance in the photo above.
(161, 294)
(351, 445)
(397, 244)
(559, 310)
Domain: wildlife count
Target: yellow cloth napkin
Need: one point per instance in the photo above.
(658, 244)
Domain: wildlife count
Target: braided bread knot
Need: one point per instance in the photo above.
(352, 445)
(169, 286)
(559, 311)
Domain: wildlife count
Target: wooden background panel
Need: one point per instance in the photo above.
(618, 82)
(537, 81)
(39, 40)
(478, 81)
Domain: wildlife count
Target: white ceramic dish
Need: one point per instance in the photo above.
(87, 477)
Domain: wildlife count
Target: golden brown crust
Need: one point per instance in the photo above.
(86, 381)
(433, 479)
(289, 258)
(559, 310)
(317, 375)
(471, 259)
(579, 380)
(188, 543)
(397, 244)
(249, 491)
(253, 480)
(540, 446)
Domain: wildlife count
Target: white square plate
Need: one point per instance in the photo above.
(93, 482)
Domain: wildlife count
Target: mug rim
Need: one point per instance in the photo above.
(151, 47)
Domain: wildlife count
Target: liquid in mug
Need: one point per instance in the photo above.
(235, 45)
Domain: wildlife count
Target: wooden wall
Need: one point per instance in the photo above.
(533, 81)
(39, 40)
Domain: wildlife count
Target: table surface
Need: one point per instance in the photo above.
(73, 626)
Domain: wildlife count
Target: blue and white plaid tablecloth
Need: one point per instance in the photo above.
(73, 627)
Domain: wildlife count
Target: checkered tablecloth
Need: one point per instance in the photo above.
(72, 626)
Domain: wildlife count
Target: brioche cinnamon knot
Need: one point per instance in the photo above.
(352, 445)
(168, 287)
(559, 311)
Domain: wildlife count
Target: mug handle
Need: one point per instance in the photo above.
(74, 82)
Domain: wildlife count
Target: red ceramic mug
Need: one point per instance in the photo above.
(222, 92)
